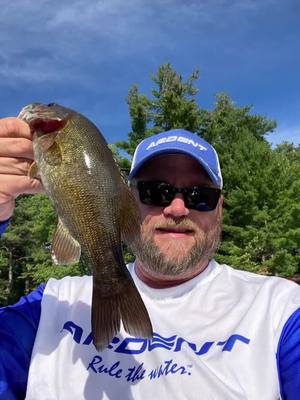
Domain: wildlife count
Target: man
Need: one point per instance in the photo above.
(219, 333)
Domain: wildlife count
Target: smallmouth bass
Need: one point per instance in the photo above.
(95, 211)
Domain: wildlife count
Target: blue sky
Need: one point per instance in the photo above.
(86, 55)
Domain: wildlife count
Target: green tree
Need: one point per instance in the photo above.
(25, 259)
(172, 105)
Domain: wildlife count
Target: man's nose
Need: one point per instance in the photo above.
(177, 207)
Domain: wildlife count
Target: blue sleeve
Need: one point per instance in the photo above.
(288, 358)
(3, 226)
(18, 327)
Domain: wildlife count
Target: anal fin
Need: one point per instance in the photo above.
(64, 249)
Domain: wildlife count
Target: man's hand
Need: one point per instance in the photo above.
(16, 156)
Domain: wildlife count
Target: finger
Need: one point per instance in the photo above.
(14, 185)
(7, 205)
(16, 147)
(14, 127)
(14, 166)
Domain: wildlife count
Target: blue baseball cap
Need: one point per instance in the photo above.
(178, 141)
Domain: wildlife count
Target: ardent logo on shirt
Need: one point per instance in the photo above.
(180, 139)
(122, 367)
(130, 345)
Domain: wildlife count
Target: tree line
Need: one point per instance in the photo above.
(261, 224)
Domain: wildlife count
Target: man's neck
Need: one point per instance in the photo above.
(157, 281)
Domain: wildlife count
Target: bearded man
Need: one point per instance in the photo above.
(219, 333)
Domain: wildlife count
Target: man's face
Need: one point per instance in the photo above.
(177, 241)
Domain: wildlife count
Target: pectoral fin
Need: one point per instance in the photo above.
(53, 155)
(64, 249)
(33, 171)
(46, 141)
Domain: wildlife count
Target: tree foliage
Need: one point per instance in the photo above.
(25, 259)
(173, 105)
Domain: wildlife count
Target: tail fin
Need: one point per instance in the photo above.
(134, 314)
(108, 311)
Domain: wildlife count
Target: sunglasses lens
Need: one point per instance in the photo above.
(161, 194)
(153, 193)
(202, 199)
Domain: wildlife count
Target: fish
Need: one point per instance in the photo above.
(96, 212)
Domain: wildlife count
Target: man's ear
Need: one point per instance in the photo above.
(220, 207)
(222, 201)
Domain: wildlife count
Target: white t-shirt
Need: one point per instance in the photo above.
(215, 338)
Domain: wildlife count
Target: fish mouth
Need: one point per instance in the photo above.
(41, 125)
(44, 118)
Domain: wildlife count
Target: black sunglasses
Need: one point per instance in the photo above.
(161, 194)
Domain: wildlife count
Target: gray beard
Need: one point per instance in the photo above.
(181, 261)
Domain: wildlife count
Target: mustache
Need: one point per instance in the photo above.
(170, 223)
